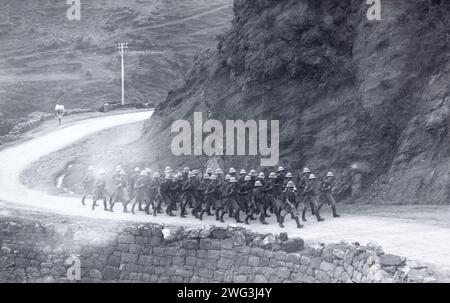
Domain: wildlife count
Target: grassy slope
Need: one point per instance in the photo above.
(46, 58)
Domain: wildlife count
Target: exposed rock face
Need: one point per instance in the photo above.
(346, 90)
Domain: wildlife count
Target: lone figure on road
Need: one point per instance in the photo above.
(59, 112)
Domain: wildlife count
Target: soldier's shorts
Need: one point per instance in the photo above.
(309, 201)
(327, 198)
(99, 194)
(140, 195)
(286, 209)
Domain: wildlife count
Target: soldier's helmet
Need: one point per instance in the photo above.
(137, 169)
(312, 177)
(258, 184)
(306, 170)
(102, 172)
(148, 170)
(168, 169)
(186, 170)
(209, 170)
(91, 168)
(290, 184)
(156, 175)
(261, 175)
(272, 175)
(253, 173)
(281, 168)
(232, 170)
(206, 177)
(243, 172)
(195, 172)
(122, 173)
(227, 177)
(248, 178)
(219, 171)
(330, 174)
(179, 177)
(143, 173)
(289, 175)
(233, 180)
(191, 175)
(168, 177)
(213, 177)
(118, 168)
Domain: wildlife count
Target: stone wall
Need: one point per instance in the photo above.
(35, 252)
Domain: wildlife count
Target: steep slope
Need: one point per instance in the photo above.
(367, 99)
(46, 57)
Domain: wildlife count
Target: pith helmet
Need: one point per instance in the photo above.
(272, 176)
(281, 168)
(261, 175)
(258, 184)
(289, 175)
(243, 172)
(248, 178)
(227, 177)
(306, 170)
(233, 180)
(330, 174)
(290, 184)
(312, 176)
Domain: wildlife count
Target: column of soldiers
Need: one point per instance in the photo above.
(248, 196)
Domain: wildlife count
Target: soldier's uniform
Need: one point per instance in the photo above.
(188, 190)
(327, 196)
(166, 195)
(140, 193)
(257, 204)
(154, 196)
(200, 199)
(269, 190)
(88, 186)
(244, 192)
(99, 192)
(120, 192)
(231, 198)
(311, 193)
(289, 205)
(211, 199)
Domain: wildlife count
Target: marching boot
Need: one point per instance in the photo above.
(140, 206)
(111, 207)
(230, 213)
(154, 212)
(105, 205)
(304, 215)
(246, 219)
(312, 209)
(200, 217)
(262, 219)
(237, 216)
(216, 211)
(335, 214)
(281, 222)
(319, 218)
(298, 222)
(125, 210)
(82, 201)
(221, 216)
(132, 208)
(265, 213)
(94, 204)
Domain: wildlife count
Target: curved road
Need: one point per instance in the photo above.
(420, 242)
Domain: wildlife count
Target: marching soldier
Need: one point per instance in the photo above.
(311, 193)
(139, 194)
(257, 203)
(302, 182)
(231, 197)
(166, 194)
(327, 193)
(154, 195)
(188, 190)
(242, 175)
(120, 193)
(269, 190)
(211, 198)
(289, 205)
(88, 183)
(99, 190)
(200, 190)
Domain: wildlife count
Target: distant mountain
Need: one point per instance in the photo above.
(367, 99)
(45, 57)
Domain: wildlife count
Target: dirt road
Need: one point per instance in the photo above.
(426, 243)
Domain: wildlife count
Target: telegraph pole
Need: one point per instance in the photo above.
(122, 46)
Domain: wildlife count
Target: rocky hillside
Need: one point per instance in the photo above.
(368, 99)
(46, 57)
